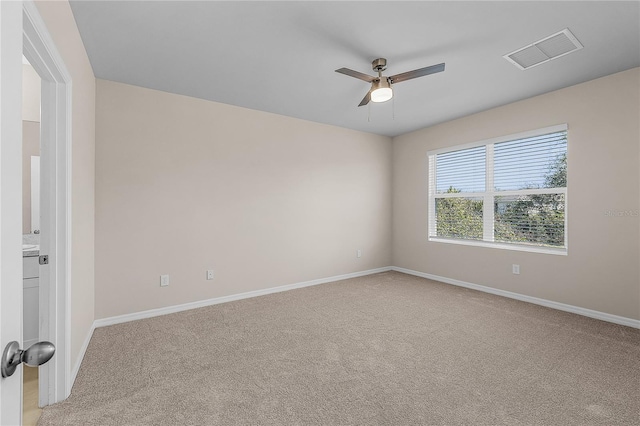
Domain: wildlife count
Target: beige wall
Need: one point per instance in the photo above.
(184, 185)
(61, 24)
(30, 147)
(30, 94)
(601, 270)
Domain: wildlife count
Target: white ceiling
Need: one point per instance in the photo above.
(280, 57)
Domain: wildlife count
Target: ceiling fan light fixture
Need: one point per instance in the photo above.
(381, 95)
(381, 91)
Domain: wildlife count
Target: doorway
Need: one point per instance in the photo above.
(54, 205)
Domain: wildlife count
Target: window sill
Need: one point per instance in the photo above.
(502, 246)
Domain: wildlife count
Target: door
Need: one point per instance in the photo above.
(10, 203)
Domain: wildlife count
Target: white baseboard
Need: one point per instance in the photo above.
(537, 301)
(103, 322)
(83, 350)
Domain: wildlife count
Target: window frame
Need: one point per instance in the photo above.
(490, 194)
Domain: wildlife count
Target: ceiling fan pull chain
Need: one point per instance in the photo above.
(393, 108)
(369, 113)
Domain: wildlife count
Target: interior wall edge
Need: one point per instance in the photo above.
(81, 353)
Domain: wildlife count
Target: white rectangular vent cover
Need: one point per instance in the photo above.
(552, 47)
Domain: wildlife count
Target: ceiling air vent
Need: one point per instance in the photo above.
(544, 50)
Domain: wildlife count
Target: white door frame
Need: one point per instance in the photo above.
(55, 203)
(10, 201)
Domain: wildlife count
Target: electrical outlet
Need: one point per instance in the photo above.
(515, 269)
(164, 280)
(210, 274)
(358, 253)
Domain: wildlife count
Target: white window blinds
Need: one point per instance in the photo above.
(536, 162)
(462, 171)
(509, 192)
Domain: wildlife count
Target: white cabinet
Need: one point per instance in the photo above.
(31, 290)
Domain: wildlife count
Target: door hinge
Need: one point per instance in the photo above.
(44, 259)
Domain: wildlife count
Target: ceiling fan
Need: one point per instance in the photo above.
(381, 86)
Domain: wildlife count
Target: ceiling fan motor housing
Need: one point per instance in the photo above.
(379, 64)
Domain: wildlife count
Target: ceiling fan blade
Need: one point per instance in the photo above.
(366, 99)
(356, 74)
(416, 73)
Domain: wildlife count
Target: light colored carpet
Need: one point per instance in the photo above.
(387, 349)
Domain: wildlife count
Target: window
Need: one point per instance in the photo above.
(508, 192)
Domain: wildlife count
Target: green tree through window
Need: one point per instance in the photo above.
(459, 217)
(536, 218)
